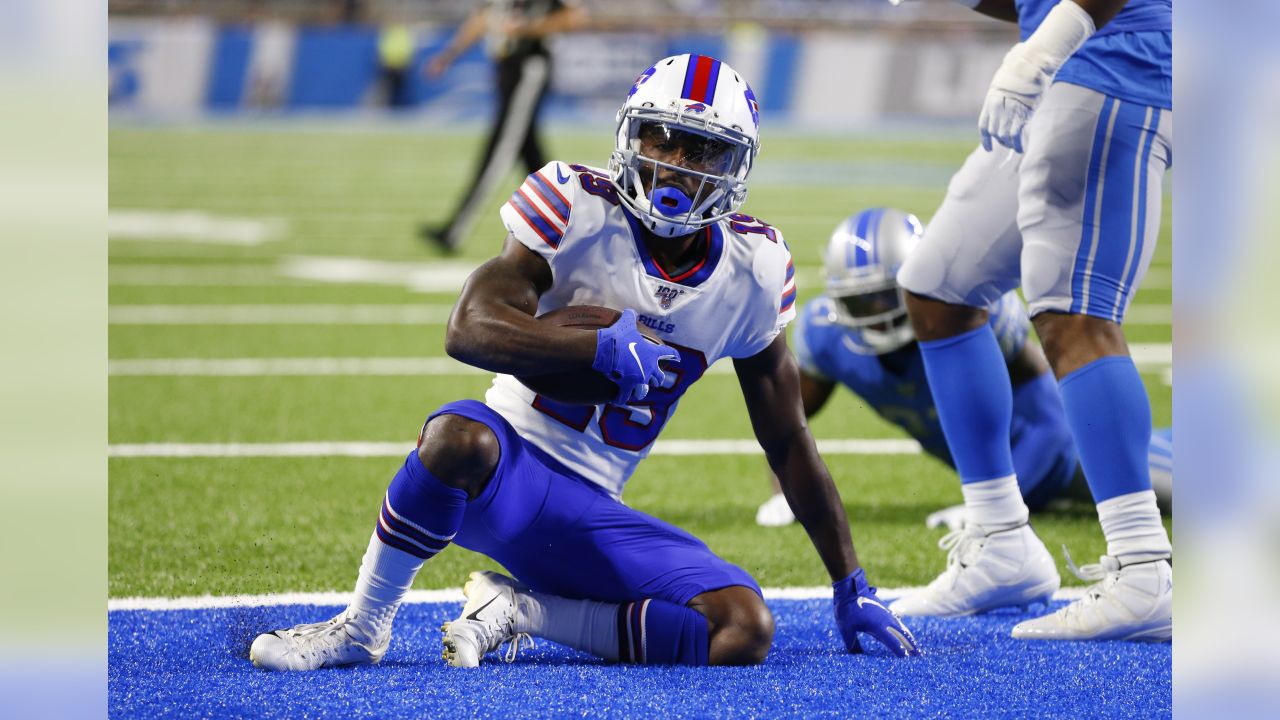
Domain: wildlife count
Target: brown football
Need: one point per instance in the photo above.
(579, 387)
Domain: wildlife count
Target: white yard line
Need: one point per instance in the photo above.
(855, 446)
(219, 275)
(417, 314)
(451, 596)
(423, 314)
(1154, 356)
(192, 226)
(440, 276)
(261, 367)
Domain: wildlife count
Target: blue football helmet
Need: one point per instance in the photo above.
(861, 265)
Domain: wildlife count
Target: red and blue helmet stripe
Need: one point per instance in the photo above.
(700, 79)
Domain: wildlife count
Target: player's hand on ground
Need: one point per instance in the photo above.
(629, 359)
(1014, 93)
(858, 610)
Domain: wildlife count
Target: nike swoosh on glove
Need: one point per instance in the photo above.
(859, 610)
(1014, 93)
(629, 359)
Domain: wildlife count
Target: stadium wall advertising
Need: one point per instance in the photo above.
(192, 66)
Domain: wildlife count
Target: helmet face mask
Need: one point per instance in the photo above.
(686, 138)
(861, 265)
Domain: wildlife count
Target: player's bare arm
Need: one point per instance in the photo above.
(1100, 10)
(814, 393)
(567, 19)
(771, 385)
(1005, 10)
(493, 326)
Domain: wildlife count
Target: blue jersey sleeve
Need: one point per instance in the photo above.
(1009, 320)
(806, 340)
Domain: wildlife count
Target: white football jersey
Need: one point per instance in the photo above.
(732, 303)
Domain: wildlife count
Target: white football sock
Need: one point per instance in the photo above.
(995, 504)
(386, 573)
(1131, 523)
(581, 624)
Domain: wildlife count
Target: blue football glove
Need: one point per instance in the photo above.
(859, 610)
(629, 359)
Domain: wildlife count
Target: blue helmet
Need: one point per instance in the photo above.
(861, 265)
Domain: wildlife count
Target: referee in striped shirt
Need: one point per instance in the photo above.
(514, 32)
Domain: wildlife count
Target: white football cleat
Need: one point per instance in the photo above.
(1132, 602)
(953, 518)
(487, 621)
(984, 572)
(333, 643)
(775, 512)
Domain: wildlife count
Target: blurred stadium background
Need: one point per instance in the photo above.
(276, 323)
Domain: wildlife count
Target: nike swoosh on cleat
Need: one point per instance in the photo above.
(561, 178)
(475, 614)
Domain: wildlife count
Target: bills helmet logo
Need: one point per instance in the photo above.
(666, 295)
(695, 108)
(641, 79)
(753, 106)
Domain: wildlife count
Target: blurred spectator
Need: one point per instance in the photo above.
(395, 53)
(515, 32)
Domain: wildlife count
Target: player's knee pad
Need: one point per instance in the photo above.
(1046, 275)
(924, 270)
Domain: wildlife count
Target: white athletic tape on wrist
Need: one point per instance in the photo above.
(1060, 35)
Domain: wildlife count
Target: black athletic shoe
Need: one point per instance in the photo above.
(437, 237)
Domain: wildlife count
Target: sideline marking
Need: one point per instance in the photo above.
(857, 446)
(452, 595)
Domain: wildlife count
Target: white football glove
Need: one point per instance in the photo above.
(1027, 71)
(1014, 93)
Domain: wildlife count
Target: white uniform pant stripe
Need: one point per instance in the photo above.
(1137, 225)
(1097, 205)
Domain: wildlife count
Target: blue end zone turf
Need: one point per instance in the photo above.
(194, 663)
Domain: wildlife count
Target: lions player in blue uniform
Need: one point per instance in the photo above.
(1063, 198)
(535, 483)
(858, 335)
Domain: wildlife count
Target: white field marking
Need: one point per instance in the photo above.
(193, 275)
(450, 596)
(192, 226)
(1151, 356)
(855, 446)
(425, 314)
(422, 314)
(264, 367)
(415, 276)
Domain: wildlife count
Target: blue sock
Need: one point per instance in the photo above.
(1110, 418)
(970, 384)
(420, 514)
(656, 632)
